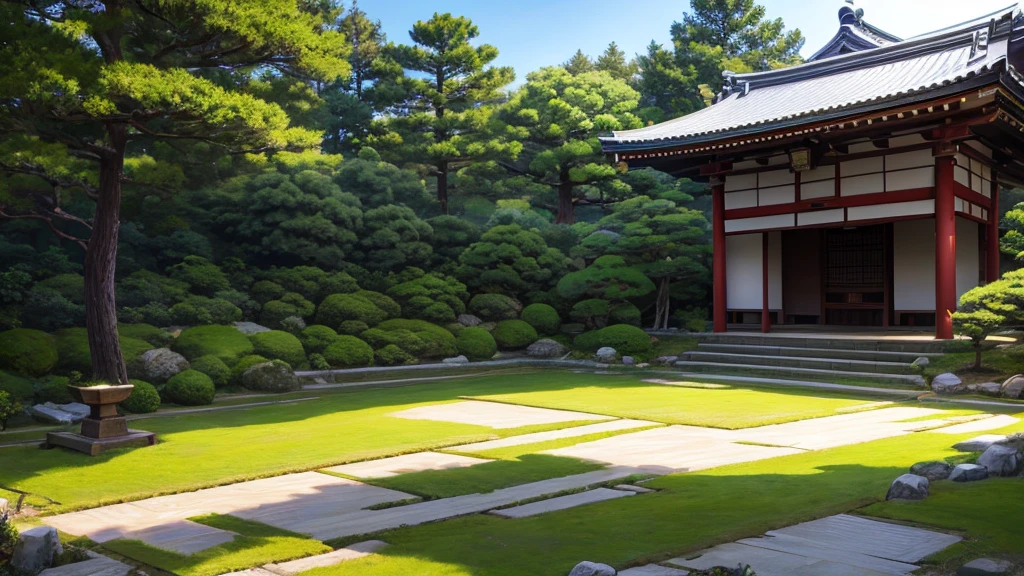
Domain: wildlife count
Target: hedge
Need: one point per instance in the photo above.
(213, 367)
(495, 307)
(543, 318)
(349, 352)
(409, 342)
(625, 339)
(190, 388)
(158, 337)
(440, 343)
(316, 338)
(352, 327)
(30, 352)
(54, 389)
(392, 355)
(18, 387)
(514, 335)
(476, 344)
(224, 342)
(73, 351)
(338, 308)
(143, 400)
(279, 345)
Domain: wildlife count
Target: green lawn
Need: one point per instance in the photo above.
(697, 510)
(255, 545)
(208, 449)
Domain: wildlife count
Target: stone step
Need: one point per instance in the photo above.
(763, 371)
(817, 352)
(828, 341)
(835, 364)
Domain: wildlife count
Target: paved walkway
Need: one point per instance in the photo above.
(494, 414)
(575, 431)
(405, 464)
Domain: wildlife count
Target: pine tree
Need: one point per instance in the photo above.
(666, 89)
(580, 63)
(613, 61)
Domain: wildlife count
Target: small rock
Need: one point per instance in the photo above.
(667, 359)
(271, 377)
(546, 348)
(468, 320)
(36, 549)
(250, 328)
(456, 360)
(908, 487)
(932, 470)
(602, 366)
(77, 409)
(978, 443)
(50, 413)
(592, 569)
(607, 354)
(947, 383)
(968, 473)
(160, 364)
(922, 361)
(984, 567)
(1001, 460)
(628, 360)
(972, 388)
(990, 388)
(643, 365)
(1013, 387)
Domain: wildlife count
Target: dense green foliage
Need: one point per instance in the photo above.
(213, 367)
(624, 338)
(190, 388)
(244, 364)
(995, 306)
(513, 335)
(543, 317)
(224, 342)
(143, 400)
(27, 351)
(348, 352)
(316, 338)
(279, 345)
(476, 344)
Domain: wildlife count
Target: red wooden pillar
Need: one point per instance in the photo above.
(992, 249)
(945, 247)
(718, 247)
(766, 318)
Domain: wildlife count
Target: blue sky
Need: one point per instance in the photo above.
(535, 33)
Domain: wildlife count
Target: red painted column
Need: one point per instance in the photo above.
(992, 250)
(766, 318)
(945, 247)
(718, 247)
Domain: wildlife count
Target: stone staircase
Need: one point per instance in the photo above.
(871, 361)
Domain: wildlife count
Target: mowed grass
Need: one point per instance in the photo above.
(691, 512)
(255, 545)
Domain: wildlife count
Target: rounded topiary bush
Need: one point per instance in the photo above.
(438, 342)
(349, 352)
(27, 351)
(19, 387)
(382, 301)
(628, 340)
(543, 317)
(495, 307)
(279, 345)
(476, 344)
(224, 342)
(514, 335)
(158, 337)
(338, 308)
(213, 367)
(190, 388)
(54, 389)
(73, 351)
(392, 355)
(624, 313)
(592, 313)
(352, 327)
(264, 291)
(316, 338)
(404, 339)
(143, 400)
(244, 364)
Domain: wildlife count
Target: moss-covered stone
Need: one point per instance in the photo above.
(275, 376)
(239, 368)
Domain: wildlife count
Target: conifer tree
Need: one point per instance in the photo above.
(580, 63)
(613, 61)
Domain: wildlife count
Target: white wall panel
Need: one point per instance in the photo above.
(743, 271)
(735, 200)
(862, 166)
(960, 175)
(777, 195)
(774, 178)
(914, 265)
(819, 173)
(760, 223)
(822, 189)
(740, 182)
(870, 184)
(896, 210)
(820, 217)
(910, 179)
(914, 159)
(967, 265)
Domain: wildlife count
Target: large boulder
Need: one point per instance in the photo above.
(1013, 387)
(985, 567)
(456, 360)
(468, 320)
(922, 362)
(908, 487)
(628, 360)
(932, 470)
(36, 549)
(274, 376)
(947, 383)
(607, 354)
(1001, 460)
(250, 328)
(592, 569)
(546, 348)
(990, 388)
(968, 473)
(978, 443)
(161, 364)
(50, 413)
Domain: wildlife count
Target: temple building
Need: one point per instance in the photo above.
(861, 187)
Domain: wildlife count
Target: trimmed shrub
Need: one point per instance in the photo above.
(495, 307)
(224, 342)
(279, 345)
(316, 338)
(382, 301)
(591, 313)
(54, 389)
(628, 340)
(338, 308)
(73, 351)
(352, 327)
(18, 387)
(70, 286)
(157, 337)
(402, 338)
(213, 367)
(143, 400)
(244, 364)
(514, 335)
(291, 304)
(476, 344)
(318, 362)
(190, 388)
(27, 351)
(265, 290)
(392, 355)
(349, 352)
(624, 313)
(440, 343)
(200, 310)
(543, 318)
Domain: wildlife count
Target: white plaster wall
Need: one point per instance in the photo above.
(967, 264)
(743, 271)
(914, 264)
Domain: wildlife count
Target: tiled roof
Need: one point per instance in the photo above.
(840, 83)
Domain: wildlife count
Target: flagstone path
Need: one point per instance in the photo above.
(981, 425)
(494, 414)
(405, 464)
(522, 439)
(561, 503)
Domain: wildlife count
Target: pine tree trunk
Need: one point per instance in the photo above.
(566, 214)
(661, 313)
(977, 356)
(442, 186)
(100, 260)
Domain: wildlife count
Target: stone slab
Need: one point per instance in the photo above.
(405, 464)
(358, 550)
(654, 570)
(979, 443)
(841, 430)
(632, 488)
(494, 414)
(182, 536)
(96, 565)
(770, 562)
(814, 549)
(96, 446)
(985, 424)
(561, 503)
(612, 426)
(872, 537)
